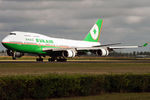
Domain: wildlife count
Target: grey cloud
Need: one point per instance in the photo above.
(124, 20)
(41, 0)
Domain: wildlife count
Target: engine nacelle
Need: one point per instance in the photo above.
(19, 54)
(69, 53)
(14, 54)
(9, 52)
(102, 52)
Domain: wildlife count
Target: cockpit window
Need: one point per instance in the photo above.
(12, 33)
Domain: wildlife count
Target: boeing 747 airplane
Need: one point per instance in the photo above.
(18, 43)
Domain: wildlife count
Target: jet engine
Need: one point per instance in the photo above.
(102, 52)
(9, 52)
(19, 54)
(69, 53)
(14, 54)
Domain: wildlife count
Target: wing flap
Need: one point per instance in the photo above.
(89, 48)
(94, 48)
(123, 47)
(55, 49)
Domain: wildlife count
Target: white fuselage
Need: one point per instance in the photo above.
(28, 37)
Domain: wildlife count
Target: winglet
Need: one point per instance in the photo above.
(145, 44)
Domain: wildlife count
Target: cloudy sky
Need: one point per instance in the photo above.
(125, 21)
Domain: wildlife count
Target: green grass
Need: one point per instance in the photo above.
(81, 68)
(113, 96)
(71, 68)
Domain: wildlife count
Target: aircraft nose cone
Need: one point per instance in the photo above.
(4, 40)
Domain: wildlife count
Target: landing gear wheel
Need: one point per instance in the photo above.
(13, 55)
(51, 59)
(14, 58)
(61, 60)
(39, 59)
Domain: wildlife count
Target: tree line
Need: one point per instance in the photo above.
(130, 54)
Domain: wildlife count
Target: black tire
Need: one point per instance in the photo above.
(61, 60)
(14, 58)
(51, 59)
(39, 59)
(64, 60)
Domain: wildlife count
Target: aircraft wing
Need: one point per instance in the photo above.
(55, 49)
(78, 49)
(93, 48)
(109, 46)
(88, 48)
(123, 47)
(127, 47)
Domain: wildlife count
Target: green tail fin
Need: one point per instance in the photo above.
(94, 34)
(145, 44)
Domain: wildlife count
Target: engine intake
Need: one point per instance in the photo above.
(69, 53)
(9, 52)
(102, 52)
(15, 54)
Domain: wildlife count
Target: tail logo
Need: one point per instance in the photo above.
(94, 32)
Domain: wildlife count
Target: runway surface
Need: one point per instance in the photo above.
(79, 61)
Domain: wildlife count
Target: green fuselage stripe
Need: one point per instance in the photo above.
(28, 48)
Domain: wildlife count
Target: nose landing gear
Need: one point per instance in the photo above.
(13, 56)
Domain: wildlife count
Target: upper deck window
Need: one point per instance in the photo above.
(12, 33)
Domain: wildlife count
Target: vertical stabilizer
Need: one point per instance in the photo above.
(94, 34)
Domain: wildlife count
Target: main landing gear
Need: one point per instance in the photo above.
(58, 59)
(52, 59)
(40, 59)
